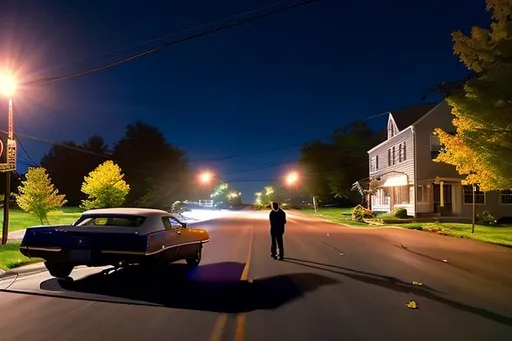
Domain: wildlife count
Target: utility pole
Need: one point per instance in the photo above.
(473, 215)
(11, 164)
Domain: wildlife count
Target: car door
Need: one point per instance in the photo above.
(172, 239)
(186, 246)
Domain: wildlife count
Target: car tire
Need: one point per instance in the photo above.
(194, 261)
(59, 270)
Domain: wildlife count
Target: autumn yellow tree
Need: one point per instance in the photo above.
(105, 187)
(481, 148)
(37, 194)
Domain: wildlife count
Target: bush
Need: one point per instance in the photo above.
(400, 212)
(359, 213)
(485, 218)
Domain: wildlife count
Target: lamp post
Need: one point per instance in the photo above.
(8, 87)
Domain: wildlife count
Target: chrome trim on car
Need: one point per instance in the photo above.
(142, 253)
(117, 252)
(33, 248)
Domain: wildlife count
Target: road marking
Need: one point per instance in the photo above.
(222, 319)
(218, 328)
(240, 327)
(240, 318)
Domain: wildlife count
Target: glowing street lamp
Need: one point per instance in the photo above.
(205, 177)
(8, 87)
(292, 178)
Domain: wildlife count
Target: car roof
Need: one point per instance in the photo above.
(128, 210)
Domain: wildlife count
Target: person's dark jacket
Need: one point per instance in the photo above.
(277, 219)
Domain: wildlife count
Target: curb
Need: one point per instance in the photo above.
(25, 270)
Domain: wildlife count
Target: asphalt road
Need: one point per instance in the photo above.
(335, 283)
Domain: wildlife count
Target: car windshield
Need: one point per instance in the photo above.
(110, 220)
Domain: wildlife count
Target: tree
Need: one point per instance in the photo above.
(481, 147)
(157, 171)
(37, 194)
(105, 187)
(67, 165)
(330, 168)
(270, 193)
(220, 192)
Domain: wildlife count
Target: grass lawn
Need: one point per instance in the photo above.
(501, 235)
(335, 214)
(10, 256)
(19, 219)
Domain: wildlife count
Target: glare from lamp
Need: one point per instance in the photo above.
(7, 85)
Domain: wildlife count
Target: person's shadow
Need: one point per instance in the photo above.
(213, 287)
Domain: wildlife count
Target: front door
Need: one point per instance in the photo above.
(447, 197)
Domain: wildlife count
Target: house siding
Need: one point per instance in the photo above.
(492, 204)
(405, 167)
(439, 117)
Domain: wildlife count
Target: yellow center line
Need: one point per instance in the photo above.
(240, 318)
(222, 319)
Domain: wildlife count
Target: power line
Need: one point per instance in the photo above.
(169, 35)
(164, 45)
(24, 150)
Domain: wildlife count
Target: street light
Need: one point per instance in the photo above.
(8, 88)
(292, 178)
(205, 177)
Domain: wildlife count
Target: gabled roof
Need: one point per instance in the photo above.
(408, 116)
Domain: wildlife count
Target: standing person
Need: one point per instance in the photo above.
(277, 219)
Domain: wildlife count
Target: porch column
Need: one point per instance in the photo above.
(441, 194)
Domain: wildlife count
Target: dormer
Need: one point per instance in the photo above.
(392, 128)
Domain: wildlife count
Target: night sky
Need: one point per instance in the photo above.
(271, 84)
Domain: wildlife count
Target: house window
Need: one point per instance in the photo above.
(402, 156)
(391, 131)
(393, 156)
(506, 197)
(389, 157)
(401, 195)
(374, 163)
(435, 146)
(468, 195)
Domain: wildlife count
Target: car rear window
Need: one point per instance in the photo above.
(110, 220)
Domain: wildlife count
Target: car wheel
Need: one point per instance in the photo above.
(60, 270)
(194, 261)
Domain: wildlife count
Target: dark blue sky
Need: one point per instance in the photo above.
(273, 83)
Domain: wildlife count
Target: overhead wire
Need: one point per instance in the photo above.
(171, 43)
(169, 35)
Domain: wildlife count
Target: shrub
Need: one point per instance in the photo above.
(400, 212)
(359, 213)
(485, 218)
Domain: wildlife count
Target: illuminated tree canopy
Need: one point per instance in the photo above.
(481, 148)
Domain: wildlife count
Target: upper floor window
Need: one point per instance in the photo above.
(391, 130)
(402, 154)
(389, 157)
(435, 146)
(393, 155)
(374, 163)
